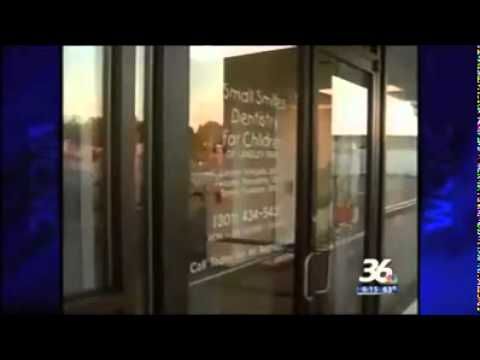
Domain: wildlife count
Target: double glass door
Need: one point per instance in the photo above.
(279, 178)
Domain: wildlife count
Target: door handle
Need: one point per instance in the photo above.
(306, 268)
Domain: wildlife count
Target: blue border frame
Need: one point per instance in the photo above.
(31, 188)
(447, 164)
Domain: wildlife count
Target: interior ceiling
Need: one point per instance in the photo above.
(401, 68)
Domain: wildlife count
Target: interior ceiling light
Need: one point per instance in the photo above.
(393, 89)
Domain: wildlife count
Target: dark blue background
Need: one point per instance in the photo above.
(31, 178)
(447, 165)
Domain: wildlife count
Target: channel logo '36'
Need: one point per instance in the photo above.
(375, 271)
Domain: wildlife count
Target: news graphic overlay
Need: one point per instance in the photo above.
(448, 166)
(378, 278)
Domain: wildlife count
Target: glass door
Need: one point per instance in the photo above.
(340, 240)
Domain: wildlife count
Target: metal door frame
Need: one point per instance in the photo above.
(371, 63)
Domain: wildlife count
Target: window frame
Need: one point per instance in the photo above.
(121, 294)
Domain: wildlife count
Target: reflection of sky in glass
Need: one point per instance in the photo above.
(215, 53)
(206, 92)
(206, 79)
(82, 78)
(83, 89)
(139, 81)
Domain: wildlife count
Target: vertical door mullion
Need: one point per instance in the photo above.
(381, 116)
(147, 176)
(374, 180)
(122, 128)
(303, 216)
(170, 178)
(107, 197)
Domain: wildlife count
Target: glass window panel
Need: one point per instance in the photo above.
(84, 180)
(401, 126)
(243, 128)
(140, 127)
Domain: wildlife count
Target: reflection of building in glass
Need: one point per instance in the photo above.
(83, 176)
